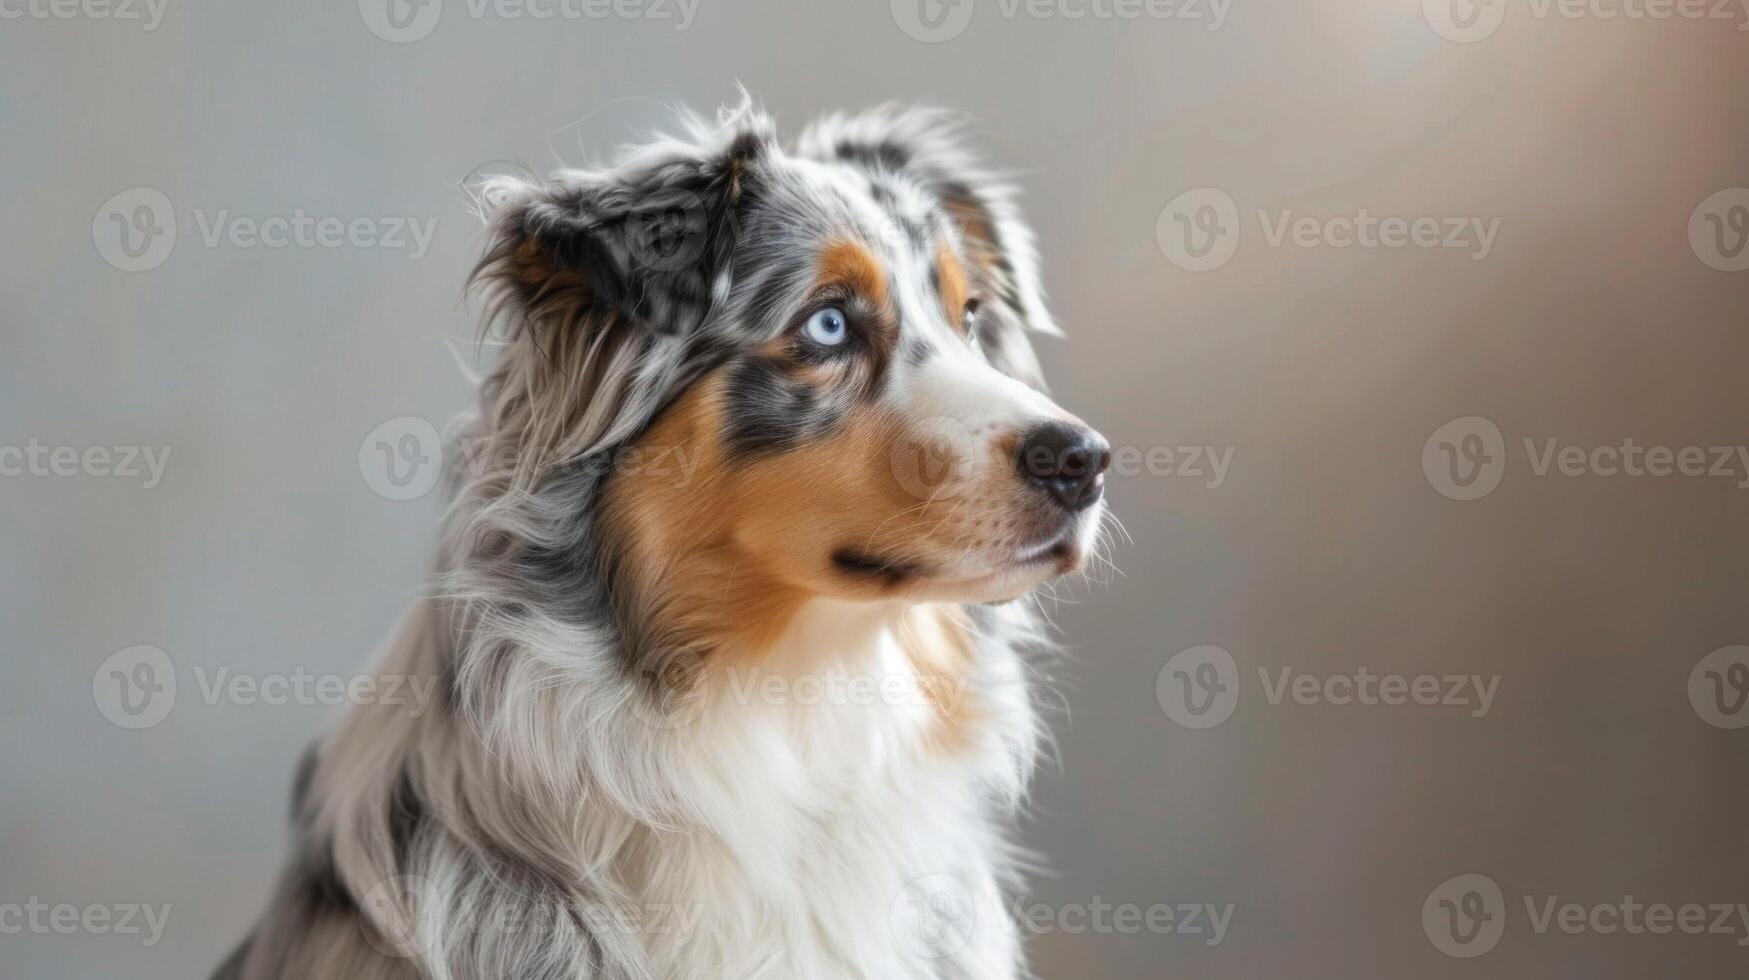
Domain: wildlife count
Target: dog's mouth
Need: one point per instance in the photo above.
(1057, 548)
(1060, 549)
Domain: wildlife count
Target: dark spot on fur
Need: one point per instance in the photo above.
(406, 815)
(319, 882)
(886, 154)
(883, 195)
(769, 298)
(890, 572)
(991, 340)
(306, 773)
(563, 577)
(917, 232)
(770, 412)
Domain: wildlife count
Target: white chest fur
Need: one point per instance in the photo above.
(840, 834)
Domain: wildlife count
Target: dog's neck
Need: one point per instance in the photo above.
(822, 632)
(834, 671)
(710, 618)
(869, 644)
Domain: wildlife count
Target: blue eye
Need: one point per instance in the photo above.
(827, 327)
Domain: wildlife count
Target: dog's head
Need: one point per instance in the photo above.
(808, 366)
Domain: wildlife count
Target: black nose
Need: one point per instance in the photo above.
(1066, 461)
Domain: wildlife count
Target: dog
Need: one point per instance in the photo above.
(733, 679)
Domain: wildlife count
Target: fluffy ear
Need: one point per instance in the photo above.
(598, 280)
(927, 147)
(643, 241)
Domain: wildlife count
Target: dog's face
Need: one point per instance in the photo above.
(829, 346)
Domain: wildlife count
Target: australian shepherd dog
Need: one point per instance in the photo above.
(733, 682)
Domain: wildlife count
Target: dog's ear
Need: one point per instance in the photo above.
(597, 281)
(643, 242)
(927, 148)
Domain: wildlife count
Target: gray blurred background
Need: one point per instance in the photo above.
(1605, 308)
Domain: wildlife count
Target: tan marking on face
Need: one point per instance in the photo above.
(841, 491)
(851, 264)
(725, 557)
(672, 540)
(955, 289)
